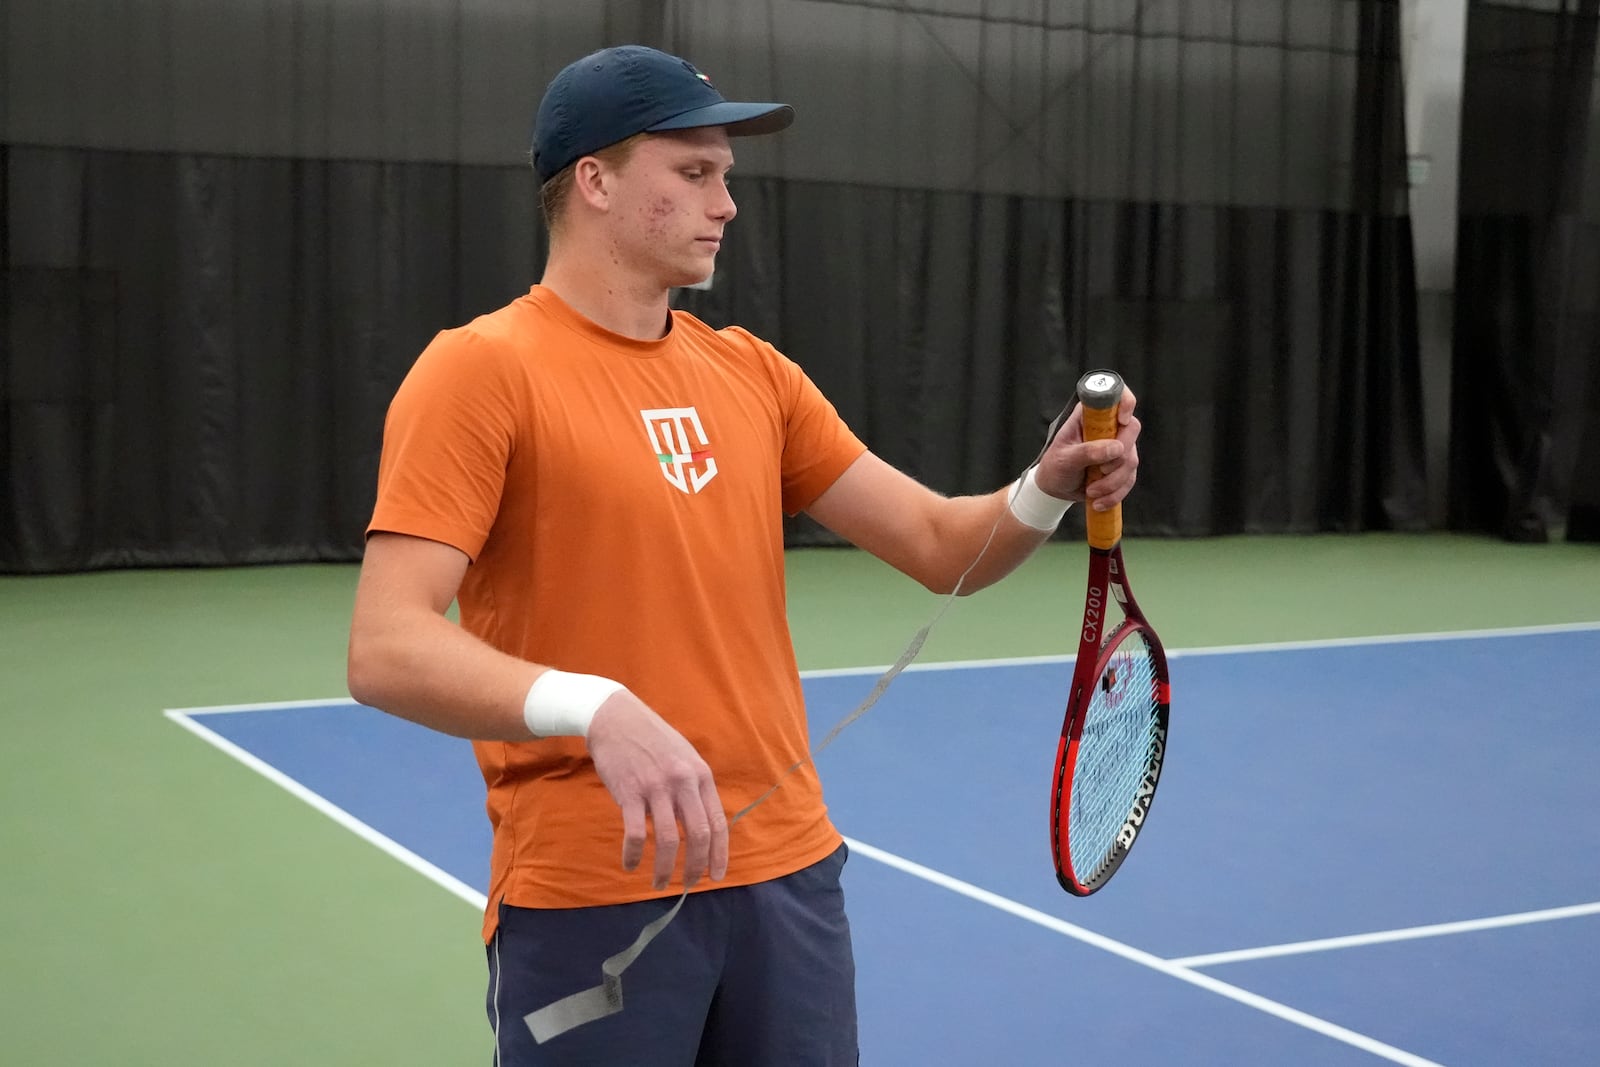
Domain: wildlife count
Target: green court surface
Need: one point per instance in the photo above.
(160, 905)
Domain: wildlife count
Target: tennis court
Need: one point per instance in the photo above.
(1393, 810)
(1346, 788)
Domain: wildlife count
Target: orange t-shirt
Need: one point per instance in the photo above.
(621, 503)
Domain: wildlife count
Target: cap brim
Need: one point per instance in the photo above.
(740, 120)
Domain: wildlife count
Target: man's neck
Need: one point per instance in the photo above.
(609, 299)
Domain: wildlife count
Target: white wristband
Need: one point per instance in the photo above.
(560, 704)
(1034, 507)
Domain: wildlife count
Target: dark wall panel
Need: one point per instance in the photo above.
(229, 227)
(1527, 327)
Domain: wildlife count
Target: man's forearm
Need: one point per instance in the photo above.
(965, 528)
(423, 667)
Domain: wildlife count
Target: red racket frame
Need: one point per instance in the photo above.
(1108, 582)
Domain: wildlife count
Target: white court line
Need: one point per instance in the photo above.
(436, 875)
(269, 705)
(1145, 959)
(1229, 650)
(1022, 661)
(1466, 926)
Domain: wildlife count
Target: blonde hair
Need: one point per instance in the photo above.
(555, 192)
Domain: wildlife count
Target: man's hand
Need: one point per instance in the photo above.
(1068, 458)
(651, 769)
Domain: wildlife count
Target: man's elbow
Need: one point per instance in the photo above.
(946, 588)
(947, 581)
(364, 673)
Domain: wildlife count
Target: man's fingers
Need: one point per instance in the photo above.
(1111, 488)
(1071, 427)
(696, 834)
(717, 822)
(633, 830)
(664, 789)
(666, 823)
(1099, 472)
(1106, 452)
(1112, 454)
(1111, 448)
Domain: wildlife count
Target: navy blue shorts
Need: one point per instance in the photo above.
(760, 974)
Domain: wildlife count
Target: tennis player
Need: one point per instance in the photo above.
(599, 481)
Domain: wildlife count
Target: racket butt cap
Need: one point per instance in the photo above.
(1100, 390)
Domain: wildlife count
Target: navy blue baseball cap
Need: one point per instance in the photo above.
(615, 93)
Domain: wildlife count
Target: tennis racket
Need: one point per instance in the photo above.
(1114, 737)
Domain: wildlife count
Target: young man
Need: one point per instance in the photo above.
(600, 482)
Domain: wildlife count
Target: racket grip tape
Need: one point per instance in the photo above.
(1100, 393)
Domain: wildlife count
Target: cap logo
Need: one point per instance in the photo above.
(690, 68)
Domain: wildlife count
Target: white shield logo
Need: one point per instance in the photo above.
(680, 445)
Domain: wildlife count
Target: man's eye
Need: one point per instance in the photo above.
(694, 175)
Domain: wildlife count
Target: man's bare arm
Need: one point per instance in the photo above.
(407, 658)
(934, 538)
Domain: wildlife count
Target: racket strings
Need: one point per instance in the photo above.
(1115, 751)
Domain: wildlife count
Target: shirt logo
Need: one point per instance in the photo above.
(679, 442)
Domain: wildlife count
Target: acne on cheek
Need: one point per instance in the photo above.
(654, 216)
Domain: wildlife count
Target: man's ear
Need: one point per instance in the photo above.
(591, 181)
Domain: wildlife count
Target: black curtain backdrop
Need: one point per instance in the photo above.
(229, 228)
(1525, 412)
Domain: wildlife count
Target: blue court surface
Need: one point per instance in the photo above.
(1361, 852)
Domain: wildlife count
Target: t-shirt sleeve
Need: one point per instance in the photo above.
(818, 446)
(447, 441)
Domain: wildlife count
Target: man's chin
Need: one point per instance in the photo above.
(695, 279)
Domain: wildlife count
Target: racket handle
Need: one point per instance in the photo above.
(1100, 393)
